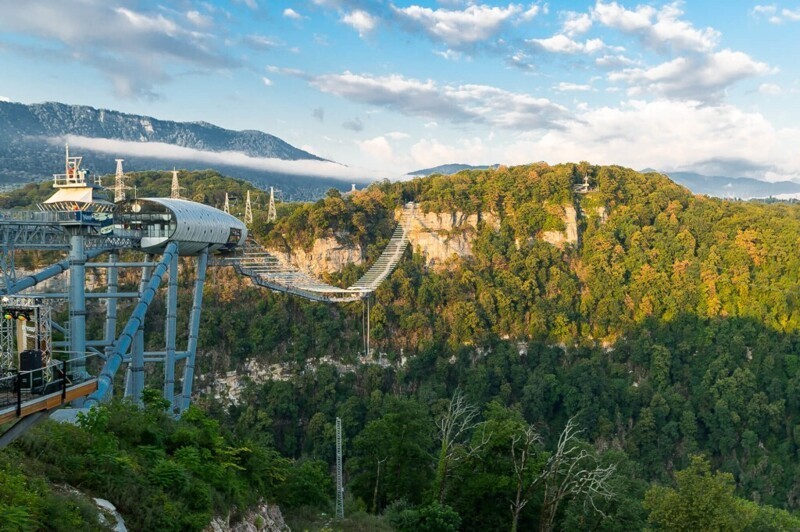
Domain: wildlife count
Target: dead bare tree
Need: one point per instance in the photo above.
(572, 471)
(523, 450)
(455, 430)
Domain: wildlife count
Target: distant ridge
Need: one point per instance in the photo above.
(448, 169)
(28, 153)
(731, 187)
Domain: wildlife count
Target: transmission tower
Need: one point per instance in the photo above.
(272, 214)
(176, 188)
(248, 211)
(227, 206)
(119, 187)
(339, 484)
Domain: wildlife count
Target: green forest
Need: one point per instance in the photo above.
(645, 377)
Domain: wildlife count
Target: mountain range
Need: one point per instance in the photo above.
(32, 137)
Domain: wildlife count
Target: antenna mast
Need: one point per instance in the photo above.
(339, 483)
(272, 214)
(248, 211)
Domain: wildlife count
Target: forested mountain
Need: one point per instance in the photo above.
(660, 344)
(734, 187)
(448, 169)
(29, 152)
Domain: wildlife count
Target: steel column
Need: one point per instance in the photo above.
(194, 329)
(77, 300)
(106, 379)
(170, 333)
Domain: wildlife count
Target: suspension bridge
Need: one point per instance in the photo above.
(45, 364)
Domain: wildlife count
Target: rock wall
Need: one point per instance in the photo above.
(570, 233)
(326, 255)
(263, 518)
(441, 236)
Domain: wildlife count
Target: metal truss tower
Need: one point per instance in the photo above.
(119, 187)
(339, 480)
(227, 206)
(175, 193)
(272, 214)
(248, 211)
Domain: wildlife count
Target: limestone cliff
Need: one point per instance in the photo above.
(326, 255)
(441, 236)
(570, 233)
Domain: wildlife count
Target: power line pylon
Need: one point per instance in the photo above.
(176, 187)
(272, 214)
(227, 206)
(339, 481)
(248, 211)
(119, 187)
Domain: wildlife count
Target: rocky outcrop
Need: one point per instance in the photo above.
(570, 233)
(326, 255)
(263, 518)
(442, 236)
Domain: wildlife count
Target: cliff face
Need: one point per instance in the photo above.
(441, 236)
(570, 233)
(326, 255)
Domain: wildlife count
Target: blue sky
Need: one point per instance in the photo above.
(386, 87)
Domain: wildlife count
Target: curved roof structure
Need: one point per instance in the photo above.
(194, 226)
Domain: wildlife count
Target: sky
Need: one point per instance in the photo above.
(387, 87)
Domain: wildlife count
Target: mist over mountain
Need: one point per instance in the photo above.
(32, 138)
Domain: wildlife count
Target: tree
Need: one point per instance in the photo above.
(572, 471)
(702, 501)
(523, 451)
(455, 427)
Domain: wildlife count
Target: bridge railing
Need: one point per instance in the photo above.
(20, 387)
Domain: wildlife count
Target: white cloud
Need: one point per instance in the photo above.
(398, 135)
(657, 28)
(266, 81)
(292, 14)
(361, 21)
(576, 23)
(455, 103)
(669, 135)
(377, 149)
(770, 89)
(429, 125)
(431, 152)
(4, 99)
(614, 61)
(260, 42)
(134, 49)
(172, 153)
(561, 44)
(793, 15)
(696, 77)
(450, 55)
(198, 19)
(565, 87)
(474, 24)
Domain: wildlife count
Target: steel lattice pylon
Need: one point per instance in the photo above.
(339, 480)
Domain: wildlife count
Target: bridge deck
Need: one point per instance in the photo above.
(49, 401)
(266, 270)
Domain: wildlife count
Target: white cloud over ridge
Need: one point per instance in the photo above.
(669, 135)
(172, 153)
